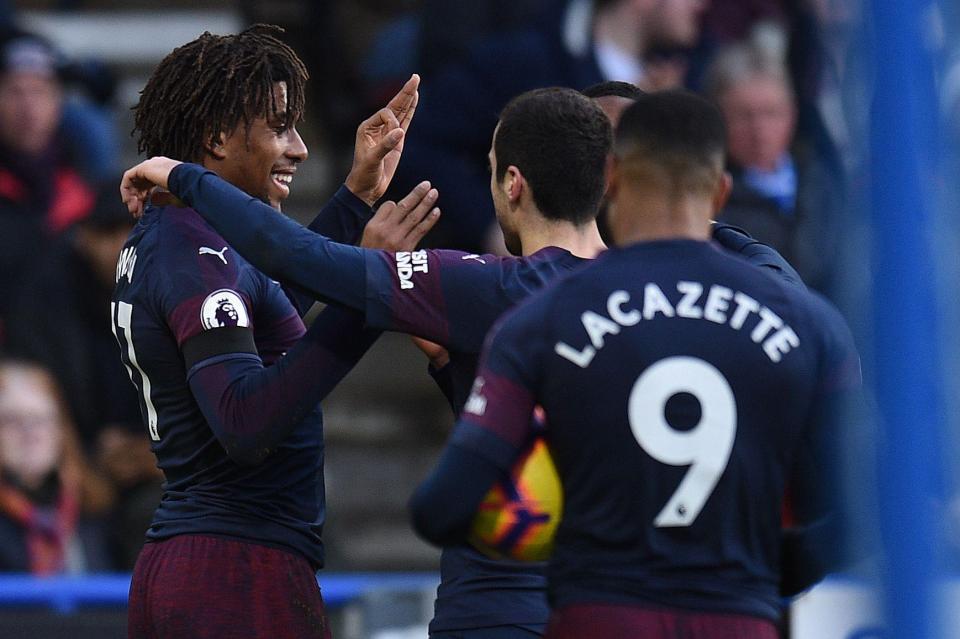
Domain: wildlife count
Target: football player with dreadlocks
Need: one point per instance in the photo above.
(229, 378)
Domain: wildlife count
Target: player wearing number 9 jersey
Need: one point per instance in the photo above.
(683, 389)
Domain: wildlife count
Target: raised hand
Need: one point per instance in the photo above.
(400, 226)
(379, 144)
(138, 182)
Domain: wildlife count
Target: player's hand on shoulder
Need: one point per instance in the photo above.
(138, 182)
(730, 237)
(399, 226)
(379, 144)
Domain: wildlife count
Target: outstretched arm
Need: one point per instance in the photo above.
(326, 270)
(423, 293)
(346, 219)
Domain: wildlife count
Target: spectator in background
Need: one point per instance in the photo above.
(784, 194)
(583, 44)
(42, 191)
(365, 50)
(50, 500)
(829, 64)
(727, 22)
(61, 318)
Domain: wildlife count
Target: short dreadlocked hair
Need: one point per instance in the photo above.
(211, 86)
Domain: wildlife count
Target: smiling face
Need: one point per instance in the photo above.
(261, 159)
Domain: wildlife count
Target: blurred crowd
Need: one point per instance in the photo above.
(78, 482)
(788, 76)
(77, 479)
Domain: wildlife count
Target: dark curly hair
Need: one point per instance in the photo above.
(212, 85)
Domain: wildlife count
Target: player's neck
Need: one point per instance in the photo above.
(583, 241)
(654, 217)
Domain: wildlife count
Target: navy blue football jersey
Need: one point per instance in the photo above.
(680, 388)
(235, 426)
(449, 297)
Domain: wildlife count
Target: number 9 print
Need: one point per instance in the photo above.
(705, 448)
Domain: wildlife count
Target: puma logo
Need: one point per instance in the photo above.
(209, 251)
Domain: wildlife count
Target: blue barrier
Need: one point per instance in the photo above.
(908, 385)
(67, 594)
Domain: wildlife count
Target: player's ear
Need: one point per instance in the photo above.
(722, 192)
(216, 146)
(513, 183)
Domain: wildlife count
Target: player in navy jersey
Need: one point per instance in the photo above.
(683, 390)
(450, 297)
(229, 378)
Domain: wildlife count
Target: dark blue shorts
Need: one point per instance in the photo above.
(600, 621)
(214, 588)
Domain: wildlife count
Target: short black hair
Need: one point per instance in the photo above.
(559, 139)
(614, 88)
(677, 136)
(213, 84)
